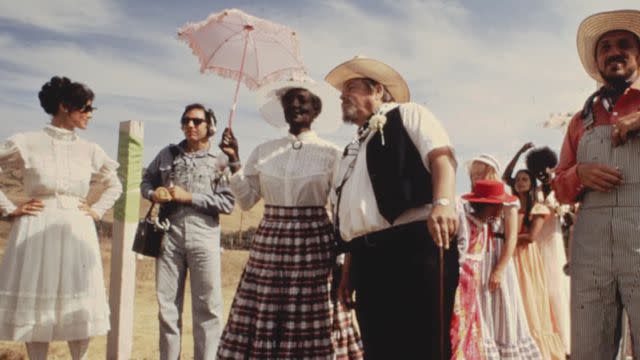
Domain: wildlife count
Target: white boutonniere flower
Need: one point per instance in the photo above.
(376, 123)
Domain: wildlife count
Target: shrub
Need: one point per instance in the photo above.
(236, 240)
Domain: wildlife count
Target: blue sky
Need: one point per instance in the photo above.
(491, 71)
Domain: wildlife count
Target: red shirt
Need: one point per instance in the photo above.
(567, 185)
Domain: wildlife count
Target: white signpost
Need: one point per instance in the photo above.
(123, 260)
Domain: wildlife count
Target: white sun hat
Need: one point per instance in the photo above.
(486, 159)
(270, 107)
(363, 67)
(596, 25)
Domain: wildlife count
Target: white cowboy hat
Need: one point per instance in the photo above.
(271, 109)
(362, 67)
(486, 159)
(593, 27)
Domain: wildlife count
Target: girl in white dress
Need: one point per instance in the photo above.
(505, 330)
(51, 282)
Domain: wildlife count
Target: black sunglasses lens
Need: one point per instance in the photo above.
(88, 108)
(196, 121)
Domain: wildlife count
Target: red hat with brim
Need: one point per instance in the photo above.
(489, 192)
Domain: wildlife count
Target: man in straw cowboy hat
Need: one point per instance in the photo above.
(393, 205)
(600, 167)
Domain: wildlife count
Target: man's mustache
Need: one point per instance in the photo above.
(616, 58)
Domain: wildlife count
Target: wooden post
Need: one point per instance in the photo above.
(123, 260)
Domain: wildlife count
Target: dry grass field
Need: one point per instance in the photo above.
(145, 338)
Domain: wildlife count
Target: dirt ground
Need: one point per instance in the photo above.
(145, 338)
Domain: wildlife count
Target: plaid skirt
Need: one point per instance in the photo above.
(283, 307)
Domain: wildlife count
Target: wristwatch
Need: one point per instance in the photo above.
(442, 202)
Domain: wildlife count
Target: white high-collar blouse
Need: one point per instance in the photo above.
(57, 166)
(290, 171)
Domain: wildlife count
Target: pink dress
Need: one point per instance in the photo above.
(466, 323)
(487, 324)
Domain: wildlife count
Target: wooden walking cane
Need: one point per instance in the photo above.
(441, 301)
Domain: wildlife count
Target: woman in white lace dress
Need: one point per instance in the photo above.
(51, 282)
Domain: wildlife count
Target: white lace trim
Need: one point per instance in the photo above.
(186, 34)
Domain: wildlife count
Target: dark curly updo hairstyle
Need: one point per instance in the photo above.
(541, 158)
(61, 90)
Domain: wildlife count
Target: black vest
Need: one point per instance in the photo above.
(398, 176)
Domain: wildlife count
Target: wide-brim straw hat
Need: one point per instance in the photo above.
(596, 25)
(363, 67)
(489, 192)
(270, 107)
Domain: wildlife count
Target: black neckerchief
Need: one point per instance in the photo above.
(363, 131)
(608, 94)
(604, 93)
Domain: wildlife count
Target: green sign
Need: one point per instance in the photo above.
(130, 149)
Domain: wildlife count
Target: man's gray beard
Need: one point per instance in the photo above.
(350, 114)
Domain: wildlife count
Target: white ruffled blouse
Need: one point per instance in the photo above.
(57, 165)
(290, 171)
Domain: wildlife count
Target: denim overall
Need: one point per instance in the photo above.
(605, 251)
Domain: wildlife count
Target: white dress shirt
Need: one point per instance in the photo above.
(358, 211)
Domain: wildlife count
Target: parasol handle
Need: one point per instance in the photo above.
(235, 96)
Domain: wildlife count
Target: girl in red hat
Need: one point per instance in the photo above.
(483, 205)
(505, 331)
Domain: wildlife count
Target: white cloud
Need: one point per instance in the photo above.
(110, 72)
(492, 90)
(583, 8)
(62, 15)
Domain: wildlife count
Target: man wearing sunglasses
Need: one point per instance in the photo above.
(193, 171)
